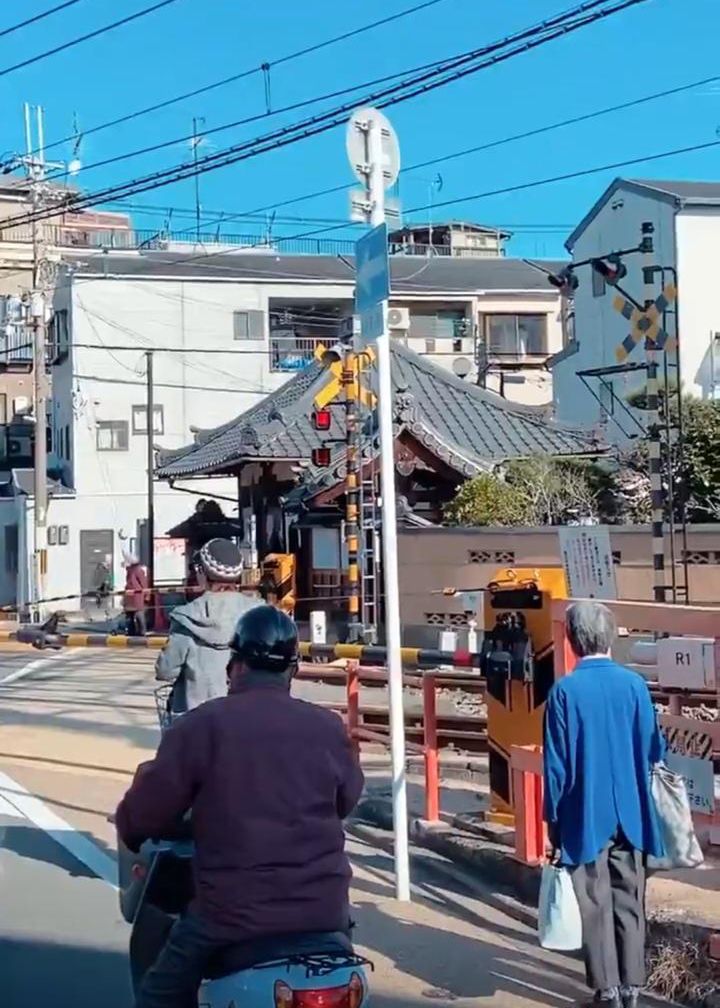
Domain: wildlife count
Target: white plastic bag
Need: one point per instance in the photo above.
(559, 923)
(682, 849)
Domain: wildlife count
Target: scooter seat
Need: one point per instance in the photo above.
(246, 955)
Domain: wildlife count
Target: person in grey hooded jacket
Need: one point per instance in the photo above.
(196, 655)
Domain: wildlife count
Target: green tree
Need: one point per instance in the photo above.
(695, 468)
(488, 500)
(560, 490)
(534, 491)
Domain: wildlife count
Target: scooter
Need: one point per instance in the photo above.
(292, 971)
(317, 970)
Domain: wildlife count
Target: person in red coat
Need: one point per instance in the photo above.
(136, 596)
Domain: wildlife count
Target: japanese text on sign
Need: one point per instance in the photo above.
(588, 562)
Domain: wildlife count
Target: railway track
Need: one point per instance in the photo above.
(465, 732)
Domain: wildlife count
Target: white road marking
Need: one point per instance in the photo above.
(37, 664)
(533, 987)
(38, 813)
(6, 809)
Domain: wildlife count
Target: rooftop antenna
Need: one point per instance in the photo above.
(75, 164)
(195, 142)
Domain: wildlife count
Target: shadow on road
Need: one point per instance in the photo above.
(23, 841)
(36, 973)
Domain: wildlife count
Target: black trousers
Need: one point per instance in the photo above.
(611, 895)
(137, 623)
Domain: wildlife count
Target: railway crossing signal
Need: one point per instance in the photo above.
(339, 380)
(646, 324)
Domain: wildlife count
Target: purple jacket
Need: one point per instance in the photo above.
(269, 780)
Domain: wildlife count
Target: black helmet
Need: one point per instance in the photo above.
(266, 640)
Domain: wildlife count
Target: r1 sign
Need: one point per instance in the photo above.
(687, 662)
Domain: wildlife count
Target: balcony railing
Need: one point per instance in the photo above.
(68, 236)
(293, 353)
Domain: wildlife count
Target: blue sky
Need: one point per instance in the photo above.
(658, 44)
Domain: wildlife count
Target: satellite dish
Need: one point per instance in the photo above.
(462, 367)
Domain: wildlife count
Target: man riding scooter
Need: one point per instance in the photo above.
(268, 779)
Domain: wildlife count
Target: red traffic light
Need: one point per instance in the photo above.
(320, 457)
(611, 269)
(321, 419)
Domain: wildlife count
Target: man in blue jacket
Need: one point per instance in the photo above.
(601, 741)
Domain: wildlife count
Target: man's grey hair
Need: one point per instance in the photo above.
(590, 628)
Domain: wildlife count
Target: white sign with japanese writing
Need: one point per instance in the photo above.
(698, 777)
(588, 561)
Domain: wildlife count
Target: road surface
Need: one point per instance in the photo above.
(72, 729)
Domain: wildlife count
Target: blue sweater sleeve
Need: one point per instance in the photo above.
(556, 756)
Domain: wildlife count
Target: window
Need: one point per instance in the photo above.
(11, 548)
(248, 325)
(67, 442)
(325, 549)
(112, 435)
(444, 323)
(516, 335)
(139, 420)
(58, 337)
(3, 408)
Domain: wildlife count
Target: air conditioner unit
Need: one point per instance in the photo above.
(398, 318)
(19, 447)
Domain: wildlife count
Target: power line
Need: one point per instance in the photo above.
(458, 68)
(37, 17)
(158, 106)
(585, 117)
(85, 38)
(256, 117)
(643, 159)
(581, 173)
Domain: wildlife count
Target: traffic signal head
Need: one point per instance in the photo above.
(321, 419)
(320, 457)
(611, 268)
(565, 280)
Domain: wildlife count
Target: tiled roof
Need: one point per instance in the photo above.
(692, 192)
(408, 273)
(466, 426)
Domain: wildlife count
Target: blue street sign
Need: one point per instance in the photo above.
(372, 280)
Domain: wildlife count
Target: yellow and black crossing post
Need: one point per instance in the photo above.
(351, 378)
(657, 502)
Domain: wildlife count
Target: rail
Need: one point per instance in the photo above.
(526, 762)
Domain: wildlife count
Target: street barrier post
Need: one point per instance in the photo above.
(430, 750)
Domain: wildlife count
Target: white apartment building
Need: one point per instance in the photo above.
(224, 330)
(686, 235)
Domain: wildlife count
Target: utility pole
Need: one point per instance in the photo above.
(150, 422)
(42, 275)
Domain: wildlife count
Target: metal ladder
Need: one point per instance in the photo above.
(369, 556)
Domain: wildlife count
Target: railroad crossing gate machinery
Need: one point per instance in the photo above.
(277, 580)
(519, 669)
